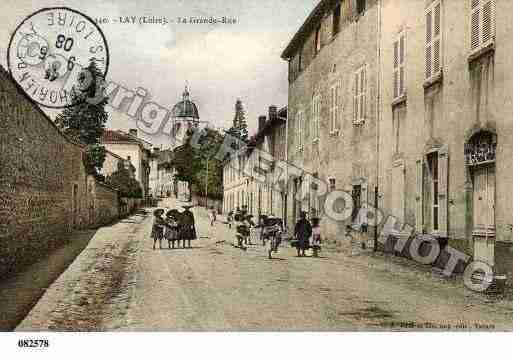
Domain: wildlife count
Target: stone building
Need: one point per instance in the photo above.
(333, 87)
(133, 149)
(445, 133)
(243, 184)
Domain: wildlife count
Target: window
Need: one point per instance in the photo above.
(299, 131)
(318, 39)
(336, 20)
(482, 24)
(359, 103)
(433, 40)
(360, 6)
(300, 60)
(316, 114)
(332, 182)
(399, 68)
(334, 109)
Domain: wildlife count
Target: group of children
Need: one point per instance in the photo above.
(174, 227)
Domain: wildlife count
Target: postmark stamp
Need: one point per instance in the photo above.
(50, 51)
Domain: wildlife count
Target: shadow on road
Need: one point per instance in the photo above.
(20, 291)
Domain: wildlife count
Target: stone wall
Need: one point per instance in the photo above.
(43, 183)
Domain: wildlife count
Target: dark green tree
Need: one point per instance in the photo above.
(85, 120)
(239, 127)
(186, 163)
(122, 180)
(209, 144)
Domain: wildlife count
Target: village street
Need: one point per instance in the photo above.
(119, 283)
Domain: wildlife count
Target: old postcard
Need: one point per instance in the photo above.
(292, 165)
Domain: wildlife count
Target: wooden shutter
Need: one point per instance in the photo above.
(402, 54)
(482, 23)
(355, 98)
(419, 199)
(487, 22)
(396, 69)
(363, 86)
(437, 38)
(429, 44)
(433, 39)
(443, 177)
(475, 24)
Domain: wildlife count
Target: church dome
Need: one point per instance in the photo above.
(185, 108)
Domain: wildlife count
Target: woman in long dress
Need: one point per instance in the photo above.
(187, 226)
(302, 232)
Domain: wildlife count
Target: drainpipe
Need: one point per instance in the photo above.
(378, 121)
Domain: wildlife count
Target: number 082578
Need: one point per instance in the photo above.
(33, 343)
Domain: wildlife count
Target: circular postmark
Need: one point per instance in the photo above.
(51, 53)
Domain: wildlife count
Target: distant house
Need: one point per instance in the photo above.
(111, 163)
(132, 148)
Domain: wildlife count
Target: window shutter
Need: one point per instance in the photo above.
(443, 176)
(401, 64)
(487, 26)
(363, 88)
(355, 101)
(419, 219)
(475, 24)
(429, 38)
(396, 69)
(437, 38)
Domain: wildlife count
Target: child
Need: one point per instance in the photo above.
(213, 217)
(171, 230)
(316, 236)
(157, 230)
(229, 218)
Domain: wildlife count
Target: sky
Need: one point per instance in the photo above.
(220, 63)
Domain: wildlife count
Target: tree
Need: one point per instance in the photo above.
(85, 120)
(124, 182)
(239, 128)
(209, 145)
(186, 163)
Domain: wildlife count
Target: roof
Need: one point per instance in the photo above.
(185, 108)
(307, 27)
(110, 136)
(269, 125)
(117, 136)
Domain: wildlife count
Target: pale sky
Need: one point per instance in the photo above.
(220, 62)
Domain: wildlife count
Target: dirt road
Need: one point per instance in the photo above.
(120, 283)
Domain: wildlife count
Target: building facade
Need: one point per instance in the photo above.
(333, 87)
(445, 148)
(245, 184)
(405, 104)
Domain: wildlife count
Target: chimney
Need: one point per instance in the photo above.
(273, 112)
(261, 123)
(133, 132)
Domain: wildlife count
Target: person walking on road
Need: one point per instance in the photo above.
(213, 217)
(229, 219)
(302, 232)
